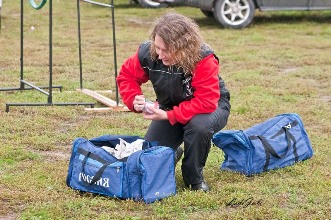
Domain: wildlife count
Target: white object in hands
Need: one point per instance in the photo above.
(149, 104)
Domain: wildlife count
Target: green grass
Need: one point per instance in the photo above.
(280, 64)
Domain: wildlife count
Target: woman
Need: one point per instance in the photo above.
(193, 101)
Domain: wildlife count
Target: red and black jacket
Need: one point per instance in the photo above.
(181, 95)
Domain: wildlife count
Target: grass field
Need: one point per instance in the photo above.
(280, 64)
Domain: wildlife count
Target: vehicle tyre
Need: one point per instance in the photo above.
(152, 4)
(208, 14)
(234, 13)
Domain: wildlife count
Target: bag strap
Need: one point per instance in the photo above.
(290, 136)
(284, 128)
(269, 150)
(295, 152)
(98, 174)
(89, 154)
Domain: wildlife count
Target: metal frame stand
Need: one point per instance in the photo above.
(40, 89)
(110, 103)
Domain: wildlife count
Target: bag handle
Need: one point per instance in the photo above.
(286, 127)
(269, 150)
(296, 156)
(98, 174)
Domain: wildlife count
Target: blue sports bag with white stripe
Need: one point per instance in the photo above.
(278, 142)
(146, 175)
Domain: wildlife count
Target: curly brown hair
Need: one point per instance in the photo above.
(182, 38)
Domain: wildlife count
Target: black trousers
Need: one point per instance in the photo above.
(196, 135)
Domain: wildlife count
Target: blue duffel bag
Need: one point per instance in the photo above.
(278, 142)
(145, 175)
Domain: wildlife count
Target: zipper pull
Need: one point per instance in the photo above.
(117, 169)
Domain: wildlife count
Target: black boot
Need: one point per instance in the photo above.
(197, 187)
(201, 186)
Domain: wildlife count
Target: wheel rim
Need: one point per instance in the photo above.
(152, 3)
(235, 12)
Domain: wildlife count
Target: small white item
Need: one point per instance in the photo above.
(125, 149)
(149, 104)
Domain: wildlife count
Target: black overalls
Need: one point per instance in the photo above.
(172, 87)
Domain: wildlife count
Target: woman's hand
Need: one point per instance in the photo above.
(158, 114)
(139, 103)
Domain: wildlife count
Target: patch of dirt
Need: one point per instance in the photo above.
(326, 98)
(10, 216)
(54, 155)
(7, 208)
(290, 70)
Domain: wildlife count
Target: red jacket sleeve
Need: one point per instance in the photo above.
(129, 80)
(206, 95)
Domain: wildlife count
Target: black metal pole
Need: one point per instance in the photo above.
(21, 59)
(79, 48)
(114, 42)
(50, 52)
